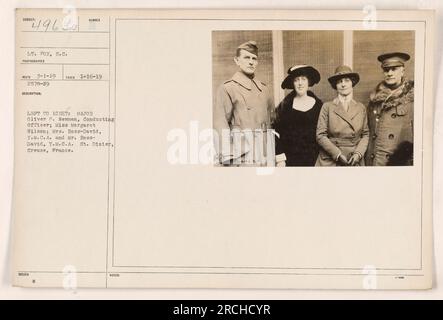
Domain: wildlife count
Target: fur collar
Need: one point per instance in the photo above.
(392, 98)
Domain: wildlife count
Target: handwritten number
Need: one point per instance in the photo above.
(36, 26)
(46, 24)
(54, 25)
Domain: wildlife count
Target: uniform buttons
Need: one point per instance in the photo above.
(374, 136)
(375, 111)
(391, 136)
(394, 115)
(372, 156)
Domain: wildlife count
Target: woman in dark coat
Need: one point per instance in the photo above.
(296, 120)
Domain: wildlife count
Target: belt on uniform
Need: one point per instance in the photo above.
(345, 142)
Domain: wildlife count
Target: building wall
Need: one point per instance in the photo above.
(321, 49)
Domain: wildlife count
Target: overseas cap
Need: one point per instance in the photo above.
(250, 46)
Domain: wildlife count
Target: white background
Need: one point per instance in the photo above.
(6, 157)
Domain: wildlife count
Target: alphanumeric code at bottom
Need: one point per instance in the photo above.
(222, 309)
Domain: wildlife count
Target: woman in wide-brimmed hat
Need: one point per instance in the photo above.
(342, 129)
(296, 120)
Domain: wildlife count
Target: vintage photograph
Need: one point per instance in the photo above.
(117, 117)
(291, 98)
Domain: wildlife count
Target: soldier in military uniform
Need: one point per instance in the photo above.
(391, 115)
(243, 104)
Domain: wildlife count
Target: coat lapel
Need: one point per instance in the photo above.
(258, 84)
(246, 82)
(340, 111)
(242, 80)
(353, 109)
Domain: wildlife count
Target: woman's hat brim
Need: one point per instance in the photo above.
(355, 78)
(310, 72)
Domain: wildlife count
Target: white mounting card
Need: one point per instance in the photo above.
(120, 180)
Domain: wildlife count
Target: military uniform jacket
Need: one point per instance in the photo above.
(390, 115)
(242, 103)
(340, 131)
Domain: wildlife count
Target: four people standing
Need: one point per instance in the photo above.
(342, 132)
